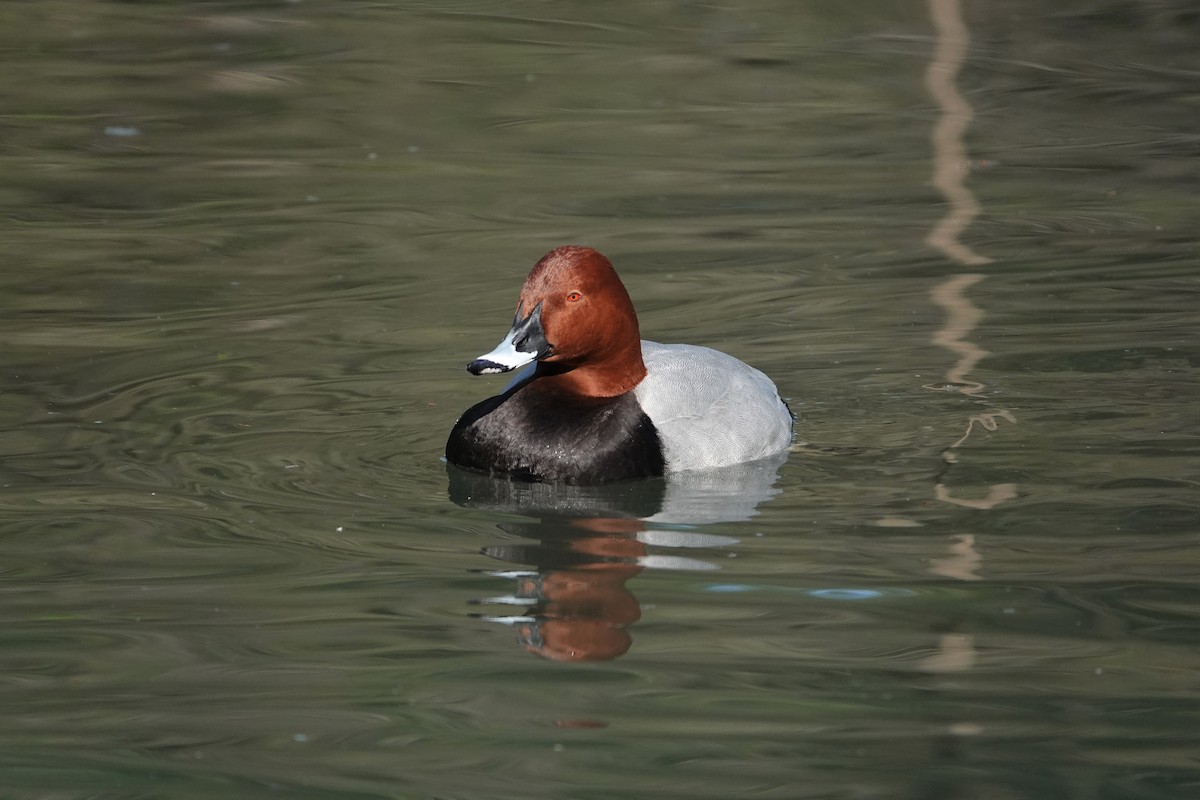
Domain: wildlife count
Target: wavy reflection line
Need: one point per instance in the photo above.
(962, 316)
(956, 652)
(950, 164)
(949, 174)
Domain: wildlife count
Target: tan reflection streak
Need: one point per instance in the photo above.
(950, 168)
(955, 653)
(997, 494)
(961, 318)
(962, 562)
(986, 420)
(949, 154)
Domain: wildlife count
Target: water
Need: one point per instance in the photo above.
(248, 249)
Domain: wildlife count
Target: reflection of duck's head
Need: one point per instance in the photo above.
(574, 640)
(601, 405)
(582, 613)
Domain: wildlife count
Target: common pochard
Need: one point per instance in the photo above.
(598, 404)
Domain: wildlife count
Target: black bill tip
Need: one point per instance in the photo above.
(481, 366)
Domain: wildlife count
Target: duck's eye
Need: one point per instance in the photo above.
(574, 297)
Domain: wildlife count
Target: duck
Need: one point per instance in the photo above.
(593, 403)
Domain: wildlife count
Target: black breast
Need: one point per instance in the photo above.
(532, 435)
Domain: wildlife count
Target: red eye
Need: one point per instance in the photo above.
(574, 297)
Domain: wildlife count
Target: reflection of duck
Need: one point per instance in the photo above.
(585, 542)
(580, 613)
(601, 405)
(697, 497)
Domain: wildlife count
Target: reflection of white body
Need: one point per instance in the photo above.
(725, 494)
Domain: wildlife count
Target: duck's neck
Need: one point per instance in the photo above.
(608, 378)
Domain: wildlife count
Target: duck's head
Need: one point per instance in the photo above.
(575, 317)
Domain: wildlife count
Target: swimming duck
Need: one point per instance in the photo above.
(597, 404)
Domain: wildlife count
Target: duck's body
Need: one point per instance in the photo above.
(602, 405)
(710, 409)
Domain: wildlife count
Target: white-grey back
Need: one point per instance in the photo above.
(710, 409)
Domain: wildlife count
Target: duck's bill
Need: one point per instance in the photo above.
(524, 344)
(505, 358)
